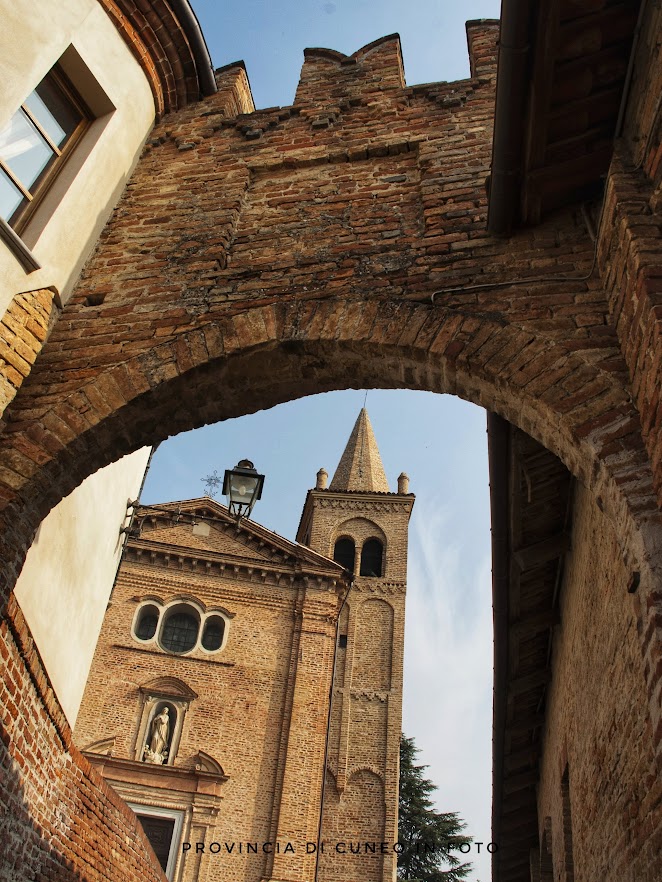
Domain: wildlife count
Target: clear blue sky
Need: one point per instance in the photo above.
(438, 440)
(270, 36)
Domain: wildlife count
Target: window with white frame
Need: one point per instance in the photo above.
(163, 828)
(180, 627)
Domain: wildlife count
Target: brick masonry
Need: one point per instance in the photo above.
(598, 724)
(23, 330)
(341, 241)
(58, 819)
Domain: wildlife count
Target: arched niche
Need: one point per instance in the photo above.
(163, 694)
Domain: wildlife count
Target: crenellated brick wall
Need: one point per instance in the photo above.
(258, 256)
(280, 236)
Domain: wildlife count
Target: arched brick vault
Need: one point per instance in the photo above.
(577, 408)
(258, 257)
(261, 256)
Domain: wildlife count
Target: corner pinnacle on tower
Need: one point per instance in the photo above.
(360, 466)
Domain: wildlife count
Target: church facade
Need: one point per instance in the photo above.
(245, 698)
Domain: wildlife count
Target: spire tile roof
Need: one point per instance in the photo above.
(360, 466)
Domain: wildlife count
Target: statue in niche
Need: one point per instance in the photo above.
(156, 749)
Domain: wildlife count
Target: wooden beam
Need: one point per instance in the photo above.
(520, 820)
(542, 552)
(541, 81)
(532, 624)
(529, 681)
(521, 781)
(521, 758)
(525, 724)
(522, 799)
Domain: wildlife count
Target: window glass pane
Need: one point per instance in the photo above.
(212, 636)
(23, 149)
(180, 632)
(11, 197)
(53, 111)
(159, 832)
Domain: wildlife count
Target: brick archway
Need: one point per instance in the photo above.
(572, 403)
(258, 256)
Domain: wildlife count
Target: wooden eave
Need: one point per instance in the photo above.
(531, 494)
(562, 78)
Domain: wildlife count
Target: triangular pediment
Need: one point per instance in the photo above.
(204, 762)
(204, 536)
(204, 526)
(103, 747)
(169, 687)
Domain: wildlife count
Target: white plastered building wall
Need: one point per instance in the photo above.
(35, 34)
(65, 584)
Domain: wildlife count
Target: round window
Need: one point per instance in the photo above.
(148, 619)
(212, 636)
(180, 630)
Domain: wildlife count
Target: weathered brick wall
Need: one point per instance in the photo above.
(288, 251)
(58, 820)
(23, 329)
(598, 721)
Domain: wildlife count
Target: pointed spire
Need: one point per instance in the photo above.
(360, 466)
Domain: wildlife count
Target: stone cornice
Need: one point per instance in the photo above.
(248, 533)
(364, 586)
(215, 564)
(356, 498)
(359, 501)
(169, 777)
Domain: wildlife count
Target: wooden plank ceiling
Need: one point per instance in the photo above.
(559, 97)
(534, 524)
(578, 75)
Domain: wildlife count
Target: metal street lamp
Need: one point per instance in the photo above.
(243, 487)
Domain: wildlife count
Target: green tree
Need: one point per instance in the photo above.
(430, 840)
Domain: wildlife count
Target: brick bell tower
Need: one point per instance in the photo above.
(361, 524)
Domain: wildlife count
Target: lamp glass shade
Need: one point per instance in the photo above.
(243, 487)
